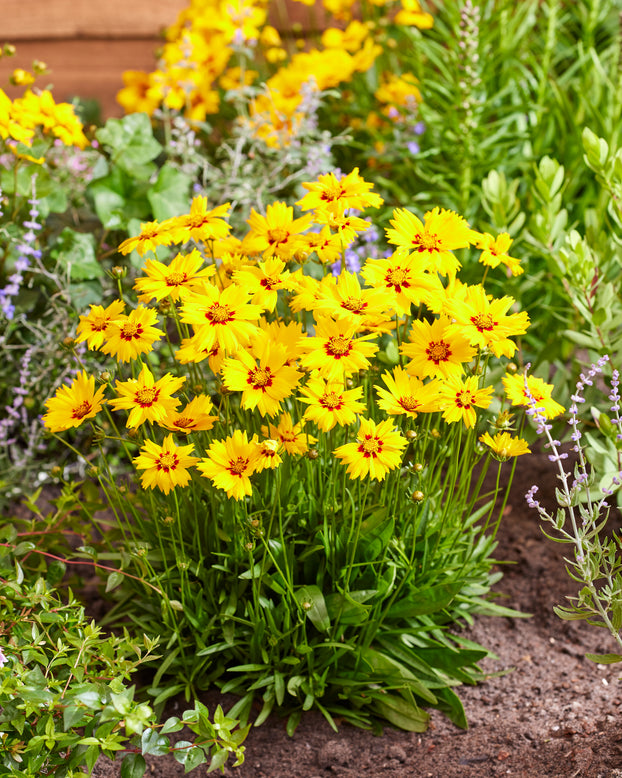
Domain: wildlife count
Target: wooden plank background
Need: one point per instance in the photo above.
(45, 19)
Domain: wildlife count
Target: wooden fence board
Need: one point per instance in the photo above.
(90, 69)
(45, 19)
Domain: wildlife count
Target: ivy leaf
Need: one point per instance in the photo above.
(169, 195)
(75, 253)
(131, 144)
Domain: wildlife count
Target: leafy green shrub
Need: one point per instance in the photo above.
(65, 697)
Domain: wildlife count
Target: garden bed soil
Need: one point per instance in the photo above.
(543, 710)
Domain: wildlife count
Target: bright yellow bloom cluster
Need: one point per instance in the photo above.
(277, 114)
(22, 117)
(289, 352)
(195, 68)
(195, 65)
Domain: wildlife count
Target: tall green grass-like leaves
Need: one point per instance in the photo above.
(504, 84)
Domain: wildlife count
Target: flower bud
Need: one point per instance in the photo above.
(417, 467)
(504, 420)
(417, 496)
(411, 435)
(21, 77)
(313, 453)
(118, 272)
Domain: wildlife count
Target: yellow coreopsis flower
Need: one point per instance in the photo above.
(412, 15)
(307, 292)
(327, 245)
(140, 93)
(58, 119)
(407, 394)
(230, 463)
(330, 403)
(201, 224)
(459, 397)
(263, 376)
(194, 417)
(408, 283)
(344, 298)
(377, 450)
(189, 351)
(340, 9)
(518, 393)
(129, 336)
(11, 123)
(147, 399)
(93, 328)
(287, 335)
(277, 234)
(351, 39)
(152, 235)
(165, 466)
(291, 436)
(337, 195)
(264, 281)
(436, 349)
(174, 280)
(268, 457)
(503, 446)
(72, 404)
(224, 318)
(335, 351)
(485, 322)
(495, 252)
(346, 226)
(434, 241)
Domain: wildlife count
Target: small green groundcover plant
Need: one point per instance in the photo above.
(65, 698)
(313, 512)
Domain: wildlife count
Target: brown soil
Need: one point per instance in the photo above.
(544, 710)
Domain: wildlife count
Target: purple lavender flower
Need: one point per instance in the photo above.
(27, 250)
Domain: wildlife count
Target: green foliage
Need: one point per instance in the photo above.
(127, 183)
(65, 697)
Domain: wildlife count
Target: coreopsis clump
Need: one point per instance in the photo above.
(303, 433)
